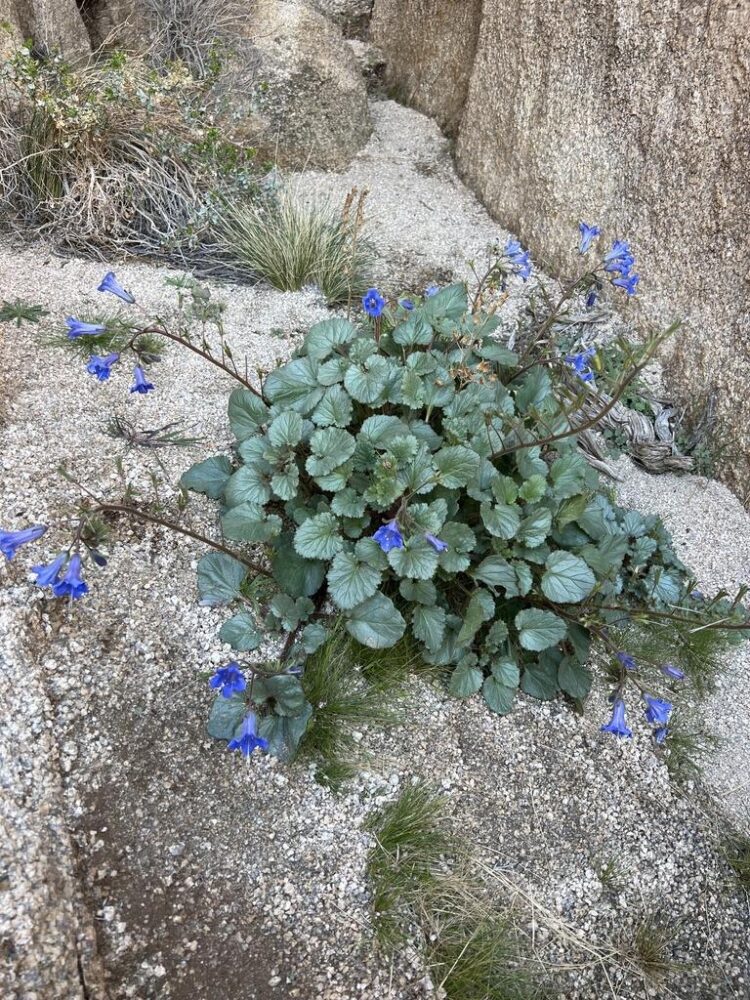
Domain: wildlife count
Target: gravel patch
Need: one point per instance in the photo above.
(711, 531)
(206, 877)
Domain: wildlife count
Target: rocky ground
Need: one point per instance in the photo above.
(166, 867)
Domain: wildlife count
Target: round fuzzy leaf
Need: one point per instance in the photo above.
(285, 484)
(294, 385)
(295, 575)
(414, 330)
(325, 336)
(318, 537)
(284, 732)
(210, 476)
(226, 715)
(535, 528)
(247, 523)
(569, 474)
(428, 624)
(285, 430)
(480, 609)
(367, 384)
(567, 579)
(219, 578)
(286, 691)
(312, 637)
(247, 485)
(497, 572)
(376, 622)
(348, 503)
(465, 681)
(498, 696)
(506, 672)
(418, 591)
(501, 520)
(330, 448)
(335, 408)
(540, 680)
(456, 466)
(418, 560)
(573, 678)
(351, 581)
(247, 413)
(241, 632)
(539, 630)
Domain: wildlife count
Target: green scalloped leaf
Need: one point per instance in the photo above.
(318, 537)
(376, 623)
(498, 696)
(247, 413)
(351, 581)
(219, 578)
(417, 560)
(324, 337)
(241, 632)
(567, 579)
(209, 476)
(428, 624)
(539, 630)
(501, 520)
(330, 447)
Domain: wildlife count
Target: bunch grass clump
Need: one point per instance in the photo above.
(344, 701)
(292, 242)
(422, 886)
(114, 157)
(192, 31)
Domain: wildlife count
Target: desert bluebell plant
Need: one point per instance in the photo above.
(407, 473)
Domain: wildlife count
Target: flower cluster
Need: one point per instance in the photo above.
(657, 710)
(389, 537)
(101, 366)
(518, 259)
(62, 575)
(580, 364)
(230, 682)
(617, 262)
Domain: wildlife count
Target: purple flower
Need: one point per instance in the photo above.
(657, 711)
(616, 725)
(389, 537)
(588, 234)
(697, 595)
(11, 540)
(592, 298)
(406, 304)
(629, 283)
(627, 661)
(111, 284)
(141, 385)
(71, 585)
(373, 303)
(661, 734)
(47, 576)
(437, 543)
(519, 258)
(619, 258)
(76, 328)
(579, 363)
(670, 670)
(101, 366)
(230, 679)
(431, 290)
(248, 739)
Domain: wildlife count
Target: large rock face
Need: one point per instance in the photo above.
(429, 47)
(53, 25)
(635, 116)
(297, 92)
